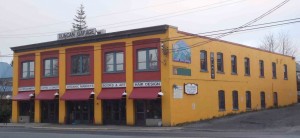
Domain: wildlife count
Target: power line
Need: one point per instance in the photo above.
(153, 18)
(186, 37)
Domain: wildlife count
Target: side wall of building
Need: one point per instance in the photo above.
(205, 104)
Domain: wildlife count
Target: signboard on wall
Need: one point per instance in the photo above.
(114, 85)
(191, 88)
(75, 34)
(50, 87)
(181, 52)
(22, 89)
(182, 71)
(80, 86)
(147, 84)
(177, 92)
(212, 63)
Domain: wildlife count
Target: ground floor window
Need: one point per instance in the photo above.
(262, 100)
(147, 109)
(114, 111)
(235, 100)
(248, 100)
(275, 99)
(221, 95)
(80, 112)
(26, 108)
(49, 111)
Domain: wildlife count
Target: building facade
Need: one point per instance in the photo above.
(149, 76)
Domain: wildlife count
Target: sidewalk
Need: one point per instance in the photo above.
(86, 127)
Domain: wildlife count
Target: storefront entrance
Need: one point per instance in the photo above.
(114, 112)
(80, 112)
(26, 109)
(49, 111)
(148, 112)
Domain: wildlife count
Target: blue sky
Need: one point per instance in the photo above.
(31, 21)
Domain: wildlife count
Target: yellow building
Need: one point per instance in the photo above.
(149, 76)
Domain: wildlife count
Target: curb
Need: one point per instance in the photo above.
(95, 129)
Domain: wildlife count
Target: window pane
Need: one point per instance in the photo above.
(47, 72)
(31, 66)
(119, 67)
(47, 64)
(153, 65)
(109, 58)
(141, 56)
(153, 55)
(120, 57)
(31, 74)
(85, 64)
(109, 68)
(75, 64)
(25, 69)
(142, 66)
(55, 67)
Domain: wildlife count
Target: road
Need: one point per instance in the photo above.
(274, 123)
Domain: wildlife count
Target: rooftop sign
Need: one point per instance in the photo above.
(75, 34)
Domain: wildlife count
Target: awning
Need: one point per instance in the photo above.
(145, 93)
(77, 95)
(23, 96)
(111, 94)
(47, 95)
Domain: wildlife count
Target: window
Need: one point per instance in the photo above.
(80, 64)
(247, 66)
(51, 67)
(114, 62)
(248, 100)
(274, 70)
(28, 69)
(262, 100)
(147, 59)
(221, 100)
(261, 68)
(285, 73)
(233, 64)
(220, 64)
(203, 60)
(235, 100)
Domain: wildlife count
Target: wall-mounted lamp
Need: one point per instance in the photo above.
(124, 93)
(160, 93)
(56, 94)
(92, 92)
(31, 95)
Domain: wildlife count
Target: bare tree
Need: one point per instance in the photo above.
(281, 44)
(286, 45)
(269, 43)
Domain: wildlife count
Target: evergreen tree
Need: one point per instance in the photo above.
(80, 23)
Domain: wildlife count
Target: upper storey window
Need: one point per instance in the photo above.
(220, 64)
(233, 64)
(28, 69)
(274, 70)
(80, 64)
(114, 62)
(247, 66)
(147, 59)
(203, 60)
(51, 67)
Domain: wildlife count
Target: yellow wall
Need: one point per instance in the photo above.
(206, 101)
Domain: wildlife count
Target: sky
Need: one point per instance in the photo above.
(26, 22)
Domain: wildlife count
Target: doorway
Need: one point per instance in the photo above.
(114, 112)
(262, 100)
(26, 109)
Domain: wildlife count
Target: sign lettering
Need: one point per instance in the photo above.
(80, 86)
(21, 89)
(75, 34)
(114, 85)
(51, 87)
(147, 84)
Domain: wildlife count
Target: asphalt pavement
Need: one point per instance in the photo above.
(273, 123)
